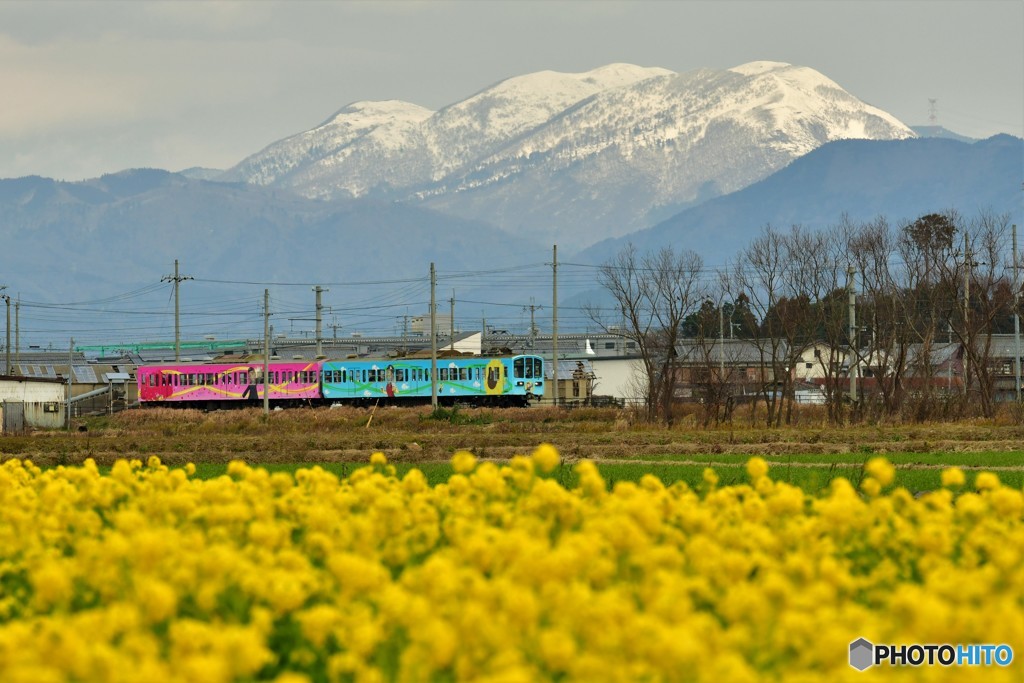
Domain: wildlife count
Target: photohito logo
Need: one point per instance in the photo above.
(865, 654)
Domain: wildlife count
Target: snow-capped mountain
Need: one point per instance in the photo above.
(575, 158)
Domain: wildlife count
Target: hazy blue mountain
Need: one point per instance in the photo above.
(83, 240)
(900, 180)
(940, 132)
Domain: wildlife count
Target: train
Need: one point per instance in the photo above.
(500, 381)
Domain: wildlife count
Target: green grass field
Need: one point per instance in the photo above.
(810, 455)
(804, 471)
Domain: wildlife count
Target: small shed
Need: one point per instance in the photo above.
(575, 382)
(31, 402)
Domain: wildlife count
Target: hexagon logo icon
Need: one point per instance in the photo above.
(861, 654)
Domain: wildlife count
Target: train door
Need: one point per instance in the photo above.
(494, 377)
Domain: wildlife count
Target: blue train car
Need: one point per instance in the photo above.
(479, 380)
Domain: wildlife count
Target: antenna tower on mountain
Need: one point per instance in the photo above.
(933, 113)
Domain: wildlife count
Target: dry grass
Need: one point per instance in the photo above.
(413, 435)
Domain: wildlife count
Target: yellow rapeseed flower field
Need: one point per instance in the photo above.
(500, 574)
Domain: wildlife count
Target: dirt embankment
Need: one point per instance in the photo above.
(415, 435)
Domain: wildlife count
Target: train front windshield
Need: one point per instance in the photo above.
(528, 367)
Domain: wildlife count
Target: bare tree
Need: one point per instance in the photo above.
(978, 277)
(760, 274)
(819, 264)
(654, 293)
(885, 310)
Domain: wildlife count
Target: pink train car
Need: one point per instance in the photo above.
(186, 383)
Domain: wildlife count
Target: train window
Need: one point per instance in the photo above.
(518, 367)
(538, 368)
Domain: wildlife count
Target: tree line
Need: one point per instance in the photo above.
(939, 280)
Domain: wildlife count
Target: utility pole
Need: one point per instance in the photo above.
(451, 322)
(266, 351)
(853, 334)
(7, 348)
(554, 322)
(433, 338)
(1016, 315)
(533, 308)
(968, 337)
(319, 321)
(71, 359)
(721, 344)
(17, 331)
(405, 333)
(177, 280)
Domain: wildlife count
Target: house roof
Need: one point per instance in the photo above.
(567, 369)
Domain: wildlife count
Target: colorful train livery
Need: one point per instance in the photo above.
(227, 382)
(478, 380)
(482, 380)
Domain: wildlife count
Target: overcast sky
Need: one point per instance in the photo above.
(96, 87)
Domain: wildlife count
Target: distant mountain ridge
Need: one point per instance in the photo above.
(899, 180)
(63, 240)
(575, 157)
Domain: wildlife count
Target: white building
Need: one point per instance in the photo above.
(31, 402)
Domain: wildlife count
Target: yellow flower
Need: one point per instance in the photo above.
(378, 458)
(986, 481)
(557, 648)
(757, 467)
(952, 477)
(882, 470)
(871, 486)
(463, 462)
(546, 457)
(709, 477)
